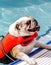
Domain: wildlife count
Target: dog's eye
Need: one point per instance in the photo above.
(28, 22)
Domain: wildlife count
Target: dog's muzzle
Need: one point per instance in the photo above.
(37, 28)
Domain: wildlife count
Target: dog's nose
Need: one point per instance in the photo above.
(36, 22)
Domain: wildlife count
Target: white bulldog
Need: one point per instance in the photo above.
(25, 26)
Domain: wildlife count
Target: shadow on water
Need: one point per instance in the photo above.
(21, 3)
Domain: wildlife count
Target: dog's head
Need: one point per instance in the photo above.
(27, 25)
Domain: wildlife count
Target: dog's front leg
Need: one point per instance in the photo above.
(17, 53)
(43, 45)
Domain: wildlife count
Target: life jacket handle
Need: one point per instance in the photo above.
(2, 36)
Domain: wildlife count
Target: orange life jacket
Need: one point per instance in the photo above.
(9, 41)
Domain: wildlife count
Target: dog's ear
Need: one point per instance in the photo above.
(17, 27)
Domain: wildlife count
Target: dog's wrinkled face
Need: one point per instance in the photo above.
(28, 26)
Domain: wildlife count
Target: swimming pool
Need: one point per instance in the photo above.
(11, 10)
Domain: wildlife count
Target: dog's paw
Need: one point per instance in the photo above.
(35, 63)
(32, 61)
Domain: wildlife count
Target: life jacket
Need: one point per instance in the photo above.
(9, 41)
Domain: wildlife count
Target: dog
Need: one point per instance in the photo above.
(25, 27)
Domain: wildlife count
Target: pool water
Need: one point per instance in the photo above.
(11, 10)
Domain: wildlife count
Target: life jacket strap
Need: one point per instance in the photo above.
(2, 47)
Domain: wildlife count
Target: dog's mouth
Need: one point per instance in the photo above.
(36, 28)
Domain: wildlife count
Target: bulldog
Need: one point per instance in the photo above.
(25, 28)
